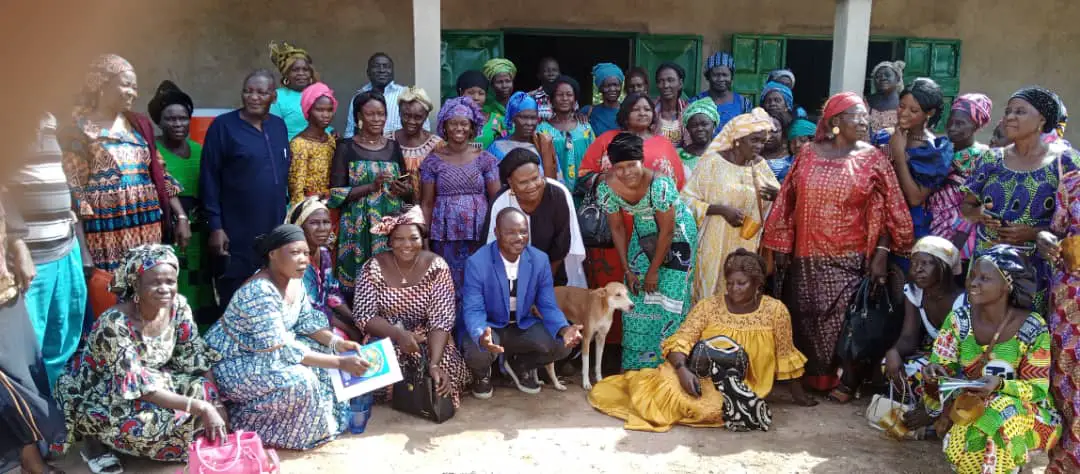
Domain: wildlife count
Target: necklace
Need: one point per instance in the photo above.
(404, 280)
(370, 141)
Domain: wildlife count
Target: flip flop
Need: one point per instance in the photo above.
(841, 394)
(106, 463)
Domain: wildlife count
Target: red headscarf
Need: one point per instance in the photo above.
(833, 107)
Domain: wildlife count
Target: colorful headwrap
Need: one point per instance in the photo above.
(784, 91)
(283, 55)
(499, 66)
(801, 128)
(1045, 102)
(459, 107)
(758, 120)
(705, 107)
(720, 58)
(602, 71)
(416, 94)
(168, 94)
(471, 78)
(836, 105)
(415, 215)
(779, 73)
(137, 261)
(281, 236)
(312, 93)
(896, 66)
(518, 102)
(1019, 275)
(941, 249)
(976, 105)
(300, 212)
(102, 69)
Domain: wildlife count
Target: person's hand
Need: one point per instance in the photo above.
(730, 214)
(898, 145)
(212, 421)
(382, 178)
(987, 219)
(894, 367)
(24, 269)
(990, 384)
(768, 192)
(441, 380)
(689, 382)
(183, 233)
(571, 335)
(879, 266)
(633, 282)
(400, 188)
(1049, 246)
(407, 342)
(652, 281)
(219, 243)
(933, 372)
(581, 118)
(347, 345)
(353, 364)
(1017, 234)
(488, 343)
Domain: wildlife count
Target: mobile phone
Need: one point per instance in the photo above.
(404, 178)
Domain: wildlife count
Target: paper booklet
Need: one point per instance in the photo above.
(384, 370)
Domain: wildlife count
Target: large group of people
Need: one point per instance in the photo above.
(243, 268)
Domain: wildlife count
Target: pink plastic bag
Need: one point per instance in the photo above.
(241, 452)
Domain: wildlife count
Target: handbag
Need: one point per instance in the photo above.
(416, 395)
(869, 326)
(240, 452)
(595, 232)
(887, 415)
(679, 255)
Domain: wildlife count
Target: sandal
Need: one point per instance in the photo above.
(841, 394)
(105, 463)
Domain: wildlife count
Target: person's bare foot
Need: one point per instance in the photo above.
(32, 462)
(917, 418)
(800, 396)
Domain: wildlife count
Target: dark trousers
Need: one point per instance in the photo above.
(526, 349)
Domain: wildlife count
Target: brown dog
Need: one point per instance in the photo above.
(594, 310)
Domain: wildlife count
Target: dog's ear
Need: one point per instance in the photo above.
(601, 292)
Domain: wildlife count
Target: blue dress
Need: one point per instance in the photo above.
(266, 388)
(601, 118)
(737, 106)
(930, 165)
(781, 166)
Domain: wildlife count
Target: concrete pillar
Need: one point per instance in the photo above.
(851, 43)
(427, 39)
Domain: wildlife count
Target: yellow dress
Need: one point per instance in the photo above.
(719, 181)
(309, 174)
(653, 400)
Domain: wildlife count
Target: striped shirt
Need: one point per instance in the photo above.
(393, 117)
(45, 199)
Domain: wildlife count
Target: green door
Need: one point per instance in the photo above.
(938, 60)
(685, 50)
(465, 50)
(755, 57)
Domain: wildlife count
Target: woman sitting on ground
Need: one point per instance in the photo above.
(141, 385)
(272, 379)
(322, 287)
(672, 394)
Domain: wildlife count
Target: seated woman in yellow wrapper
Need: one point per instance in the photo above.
(657, 399)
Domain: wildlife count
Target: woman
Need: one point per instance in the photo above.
(637, 81)
(458, 181)
(699, 120)
(670, 104)
(522, 119)
(548, 203)
(720, 73)
(275, 348)
(775, 146)
(970, 113)
(656, 399)
(732, 188)
(500, 73)
(839, 213)
(171, 109)
(323, 288)
(799, 133)
(782, 76)
(141, 385)
(931, 294)
(106, 142)
(778, 100)
(659, 282)
(1010, 195)
(608, 79)
(570, 138)
(474, 85)
(407, 295)
(313, 149)
(414, 106)
(297, 74)
(997, 340)
(365, 184)
(888, 81)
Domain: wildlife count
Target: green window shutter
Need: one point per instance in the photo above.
(465, 50)
(755, 57)
(939, 60)
(684, 50)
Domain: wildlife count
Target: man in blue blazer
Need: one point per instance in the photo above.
(509, 307)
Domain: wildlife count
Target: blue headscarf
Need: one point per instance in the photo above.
(518, 102)
(720, 58)
(784, 91)
(602, 71)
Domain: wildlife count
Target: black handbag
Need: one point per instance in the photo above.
(595, 232)
(678, 256)
(869, 325)
(416, 395)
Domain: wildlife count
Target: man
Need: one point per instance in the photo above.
(380, 73)
(546, 72)
(720, 73)
(509, 308)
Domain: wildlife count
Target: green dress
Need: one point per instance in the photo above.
(194, 282)
(656, 316)
(570, 149)
(689, 161)
(493, 129)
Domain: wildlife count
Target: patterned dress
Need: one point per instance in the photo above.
(356, 166)
(109, 175)
(882, 119)
(672, 129)
(658, 315)
(689, 162)
(829, 216)
(1021, 197)
(415, 155)
(421, 308)
(461, 204)
(100, 392)
(944, 205)
(1065, 330)
(1019, 417)
(323, 288)
(266, 388)
(309, 173)
(570, 147)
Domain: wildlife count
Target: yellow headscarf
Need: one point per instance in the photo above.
(499, 66)
(283, 55)
(758, 120)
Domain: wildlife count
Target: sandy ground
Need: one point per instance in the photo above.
(553, 431)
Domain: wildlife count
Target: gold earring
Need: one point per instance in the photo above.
(836, 130)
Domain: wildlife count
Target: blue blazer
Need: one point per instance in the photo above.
(485, 293)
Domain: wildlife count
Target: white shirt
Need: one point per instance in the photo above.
(393, 117)
(512, 275)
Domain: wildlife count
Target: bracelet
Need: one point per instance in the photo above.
(181, 217)
(334, 341)
(882, 247)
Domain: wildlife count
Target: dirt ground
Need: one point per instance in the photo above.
(518, 433)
